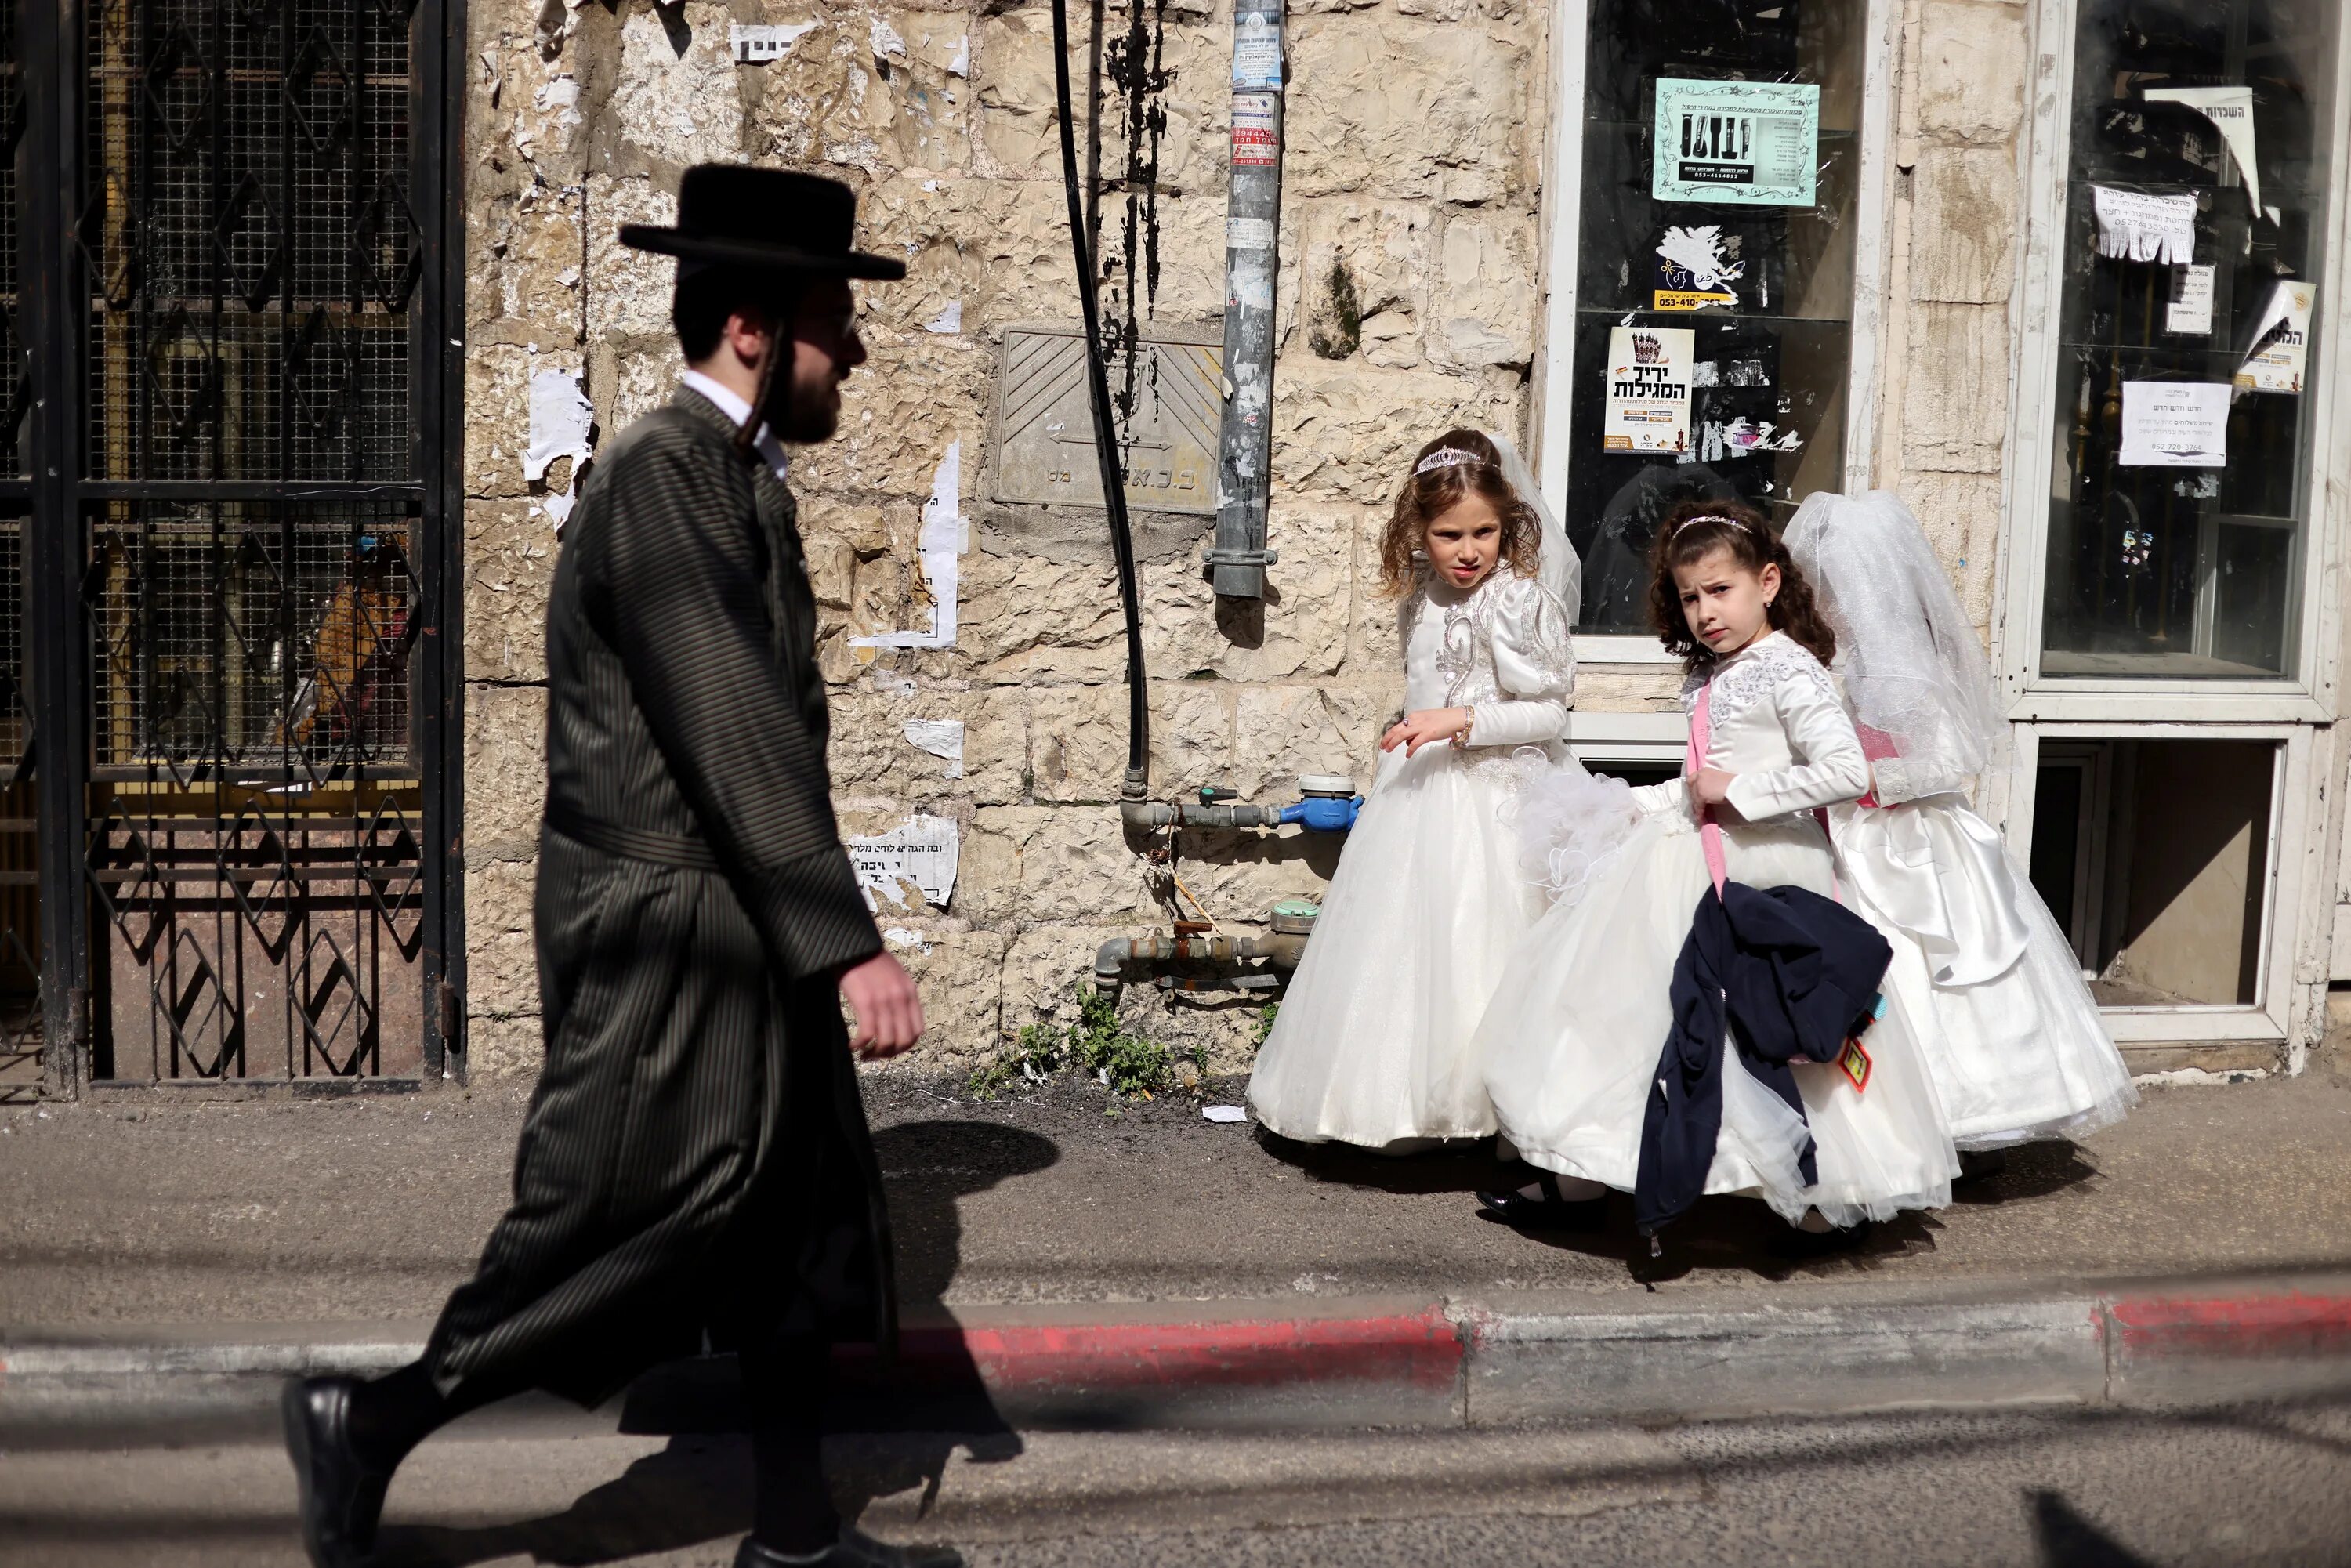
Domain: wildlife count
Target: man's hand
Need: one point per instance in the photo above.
(1711, 786)
(889, 1012)
(1425, 728)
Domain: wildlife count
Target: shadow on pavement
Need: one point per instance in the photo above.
(2066, 1539)
(911, 1417)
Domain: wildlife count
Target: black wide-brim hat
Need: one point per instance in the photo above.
(732, 215)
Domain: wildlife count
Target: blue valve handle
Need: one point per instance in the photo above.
(1323, 815)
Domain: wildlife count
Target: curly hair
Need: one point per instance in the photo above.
(1426, 496)
(1695, 530)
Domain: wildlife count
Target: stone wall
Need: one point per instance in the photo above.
(1415, 131)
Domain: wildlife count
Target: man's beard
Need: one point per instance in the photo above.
(805, 413)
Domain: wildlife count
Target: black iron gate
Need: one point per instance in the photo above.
(226, 803)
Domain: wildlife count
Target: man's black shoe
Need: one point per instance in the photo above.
(855, 1549)
(341, 1498)
(1549, 1212)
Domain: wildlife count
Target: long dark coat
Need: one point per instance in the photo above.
(696, 1159)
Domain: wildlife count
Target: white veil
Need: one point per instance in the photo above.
(1912, 666)
(1559, 569)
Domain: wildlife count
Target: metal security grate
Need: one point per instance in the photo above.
(256, 848)
(250, 239)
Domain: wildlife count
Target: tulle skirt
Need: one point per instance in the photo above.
(1372, 1043)
(2012, 1035)
(1571, 1039)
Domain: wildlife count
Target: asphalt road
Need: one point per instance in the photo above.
(2232, 1486)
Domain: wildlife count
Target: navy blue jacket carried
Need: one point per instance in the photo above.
(1785, 973)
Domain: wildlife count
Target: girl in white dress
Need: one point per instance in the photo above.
(1571, 1041)
(1372, 1043)
(2011, 1033)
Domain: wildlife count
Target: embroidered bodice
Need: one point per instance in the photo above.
(1500, 650)
(1774, 719)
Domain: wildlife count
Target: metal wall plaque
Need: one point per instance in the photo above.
(1043, 436)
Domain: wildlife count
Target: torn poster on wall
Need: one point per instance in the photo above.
(2281, 342)
(1745, 143)
(922, 850)
(1743, 437)
(944, 539)
(1693, 270)
(1648, 406)
(561, 425)
(2136, 227)
(2230, 110)
(941, 737)
(2175, 424)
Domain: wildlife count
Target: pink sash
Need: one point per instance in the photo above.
(1710, 834)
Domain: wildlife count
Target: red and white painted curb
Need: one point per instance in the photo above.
(1409, 1360)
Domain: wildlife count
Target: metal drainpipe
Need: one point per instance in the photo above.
(1245, 440)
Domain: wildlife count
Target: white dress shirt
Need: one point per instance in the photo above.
(738, 409)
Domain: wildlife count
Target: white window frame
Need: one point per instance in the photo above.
(1562, 209)
(2308, 696)
(2297, 811)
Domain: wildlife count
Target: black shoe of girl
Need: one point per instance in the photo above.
(855, 1549)
(1795, 1243)
(1548, 1212)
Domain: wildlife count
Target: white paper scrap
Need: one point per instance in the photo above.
(945, 537)
(2136, 227)
(2230, 110)
(560, 421)
(1249, 234)
(947, 321)
(1223, 1113)
(2281, 342)
(961, 65)
(2175, 424)
(886, 41)
(922, 850)
(941, 737)
(756, 43)
(2190, 312)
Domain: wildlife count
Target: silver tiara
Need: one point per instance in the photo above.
(1444, 457)
(1728, 522)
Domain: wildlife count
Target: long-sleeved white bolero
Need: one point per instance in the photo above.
(1500, 650)
(1774, 720)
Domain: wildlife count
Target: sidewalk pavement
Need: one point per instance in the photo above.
(164, 1263)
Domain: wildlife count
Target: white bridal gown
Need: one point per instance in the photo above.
(1372, 1043)
(1571, 1039)
(2011, 1033)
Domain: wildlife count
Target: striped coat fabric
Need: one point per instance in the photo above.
(695, 1166)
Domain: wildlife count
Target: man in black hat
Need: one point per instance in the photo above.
(695, 1167)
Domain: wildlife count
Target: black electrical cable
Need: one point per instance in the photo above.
(1122, 538)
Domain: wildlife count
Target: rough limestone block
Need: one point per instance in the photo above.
(917, 108)
(509, 567)
(628, 380)
(1298, 630)
(535, 241)
(1078, 741)
(503, 1047)
(1345, 433)
(1960, 513)
(960, 976)
(1367, 258)
(501, 963)
(1483, 310)
(628, 291)
(1955, 391)
(1020, 130)
(1024, 618)
(1963, 226)
(898, 413)
(1281, 732)
(1629, 688)
(1051, 863)
(497, 418)
(1972, 60)
(871, 755)
(673, 105)
(506, 772)
(1408, 109)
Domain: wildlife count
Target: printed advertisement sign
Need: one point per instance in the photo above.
(1742, 143)
(1648, 407)
(2282, 341)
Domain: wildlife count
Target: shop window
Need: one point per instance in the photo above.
(1721, 174)
(2183, 439)
(2155, 856)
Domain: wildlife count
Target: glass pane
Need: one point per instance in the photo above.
(1768, 366)
(2154, 855)
(2178, 557)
